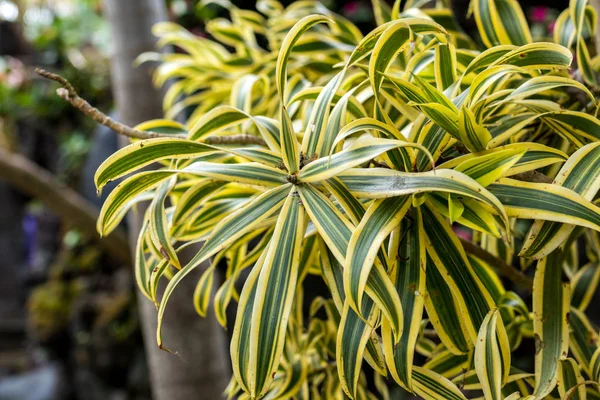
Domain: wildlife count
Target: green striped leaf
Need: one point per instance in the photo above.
(159, 226)
(486, 58)
(353, 208)
(204, 220)
(583, 339)
(239, 260)
(473, 215)
(473, 135)
(287, 45)
(241, 336)
(220, 118)
(516, 379)
(432, 386)
(361, 151)
(194, 197)
(380, 219)
(289, 143)
(162, 126)
(382, 183)
(501, 22)
(294, 377)
(443, 116)
(275, 290)
(336, 120)
(244, 173)
(124, 196)
(450, 259)
(535, 156)
(580, 174)
(447, 363)
(488, 168)
(488, 78)
(222, 298)
(407, 90)
(141, 266)
(541, 84)
(161, 269)
(583, 286)
(230, 229)
(408, 275)
(421, 26)
(492, 355)
(266, 157)
(570, 377)
(551, 298)
(315, 137)
(145, 152)
(595, 365)
(445, 65)
(204, 288)
(445, 313)
(569, 123)
(545, 201)
(537, 56)
(217, 119)
(352, 337)
(364, 124)
(241, 92)
(489, 277)
(336, 232)
(393, 40)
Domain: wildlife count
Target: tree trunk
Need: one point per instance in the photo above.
(202, 369)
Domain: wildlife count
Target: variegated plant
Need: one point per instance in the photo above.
(358, 159)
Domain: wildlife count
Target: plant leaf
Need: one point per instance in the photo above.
(580, 174)
(276, 286)
(408, 276)
(551, 298)
(224, 234)
(492, 355)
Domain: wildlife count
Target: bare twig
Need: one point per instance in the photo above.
(35, 181)
(235, 139)
(505, 270)
(68, 93)
(379, 164)
(532, 176)
(430, 333)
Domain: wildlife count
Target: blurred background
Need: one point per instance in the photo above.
(70, 323)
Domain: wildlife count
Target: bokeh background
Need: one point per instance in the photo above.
(70, 323)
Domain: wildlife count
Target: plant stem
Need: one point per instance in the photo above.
(505, 270)
(68, 93)
(532, 176)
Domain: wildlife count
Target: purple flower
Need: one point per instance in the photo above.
(539, 14)
(351, 7)
(462, 233)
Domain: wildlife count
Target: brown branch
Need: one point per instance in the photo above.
(430, 333)
(29, 178)
(379, 164)
(505, 270)
(532, 176)
(68, 93)
(235, 139)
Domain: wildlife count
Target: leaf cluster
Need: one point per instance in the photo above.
(377, 150)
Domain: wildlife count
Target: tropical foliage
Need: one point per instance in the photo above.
(311, 149)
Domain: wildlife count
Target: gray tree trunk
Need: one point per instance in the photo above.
(202, 369)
